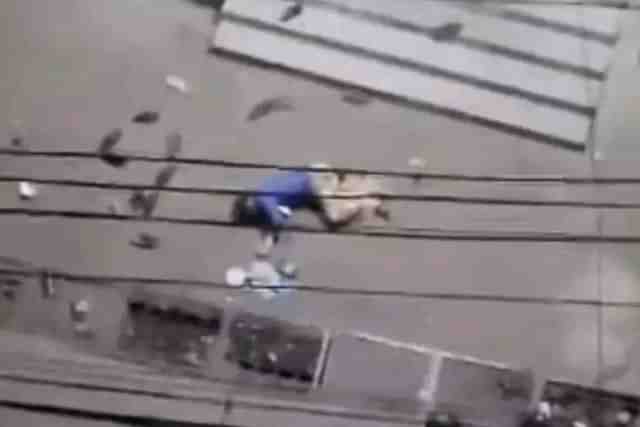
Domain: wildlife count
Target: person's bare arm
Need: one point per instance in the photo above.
(358, 187)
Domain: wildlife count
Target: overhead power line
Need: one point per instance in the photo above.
(317, 289)
(404, 233)
(427, 198)
(230, 164)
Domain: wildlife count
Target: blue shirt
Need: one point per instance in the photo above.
(291, 189)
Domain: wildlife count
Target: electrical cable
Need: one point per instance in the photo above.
(230, 164)
(402, 233)
(317, 289)
(426, 198)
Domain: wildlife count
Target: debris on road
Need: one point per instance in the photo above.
(165, 175)
(145, 241)
(114, 159)
(106, 147)
(269, 106)
(145, 202)
(291, 12)
(417, 162)
(16, 133)
(115, 208)
(47, 285)
(173, 143)
(110, 140)
(263, 273)
(357, 98)
(268, 280)
(235, 277)
(287, 269)
(146, 117)
(138, 201)
(446, 32)
(79, 311)
(150, 206)
(27, 191)
(178, 83)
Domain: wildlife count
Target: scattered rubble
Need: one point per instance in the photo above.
(269, 106)
(107, 146)
(417, 162)
(236, 277)
(291, 12)
(145, 241)
(447, 32)
(178, 83)
(146, 117)
(47, 285)
(79, 311)
(173, 143)
(16, 133)
(115, 208)
(27, 191)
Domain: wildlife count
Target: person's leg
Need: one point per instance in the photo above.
(267, 241)
(245, 212)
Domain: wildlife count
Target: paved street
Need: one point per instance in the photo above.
(73, 70)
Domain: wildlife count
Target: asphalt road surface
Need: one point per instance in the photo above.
(73, 70)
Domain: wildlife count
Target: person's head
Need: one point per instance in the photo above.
(245, 211)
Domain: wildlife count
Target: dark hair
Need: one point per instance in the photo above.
(245, 211)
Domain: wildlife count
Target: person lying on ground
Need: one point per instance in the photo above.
(337, 200)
